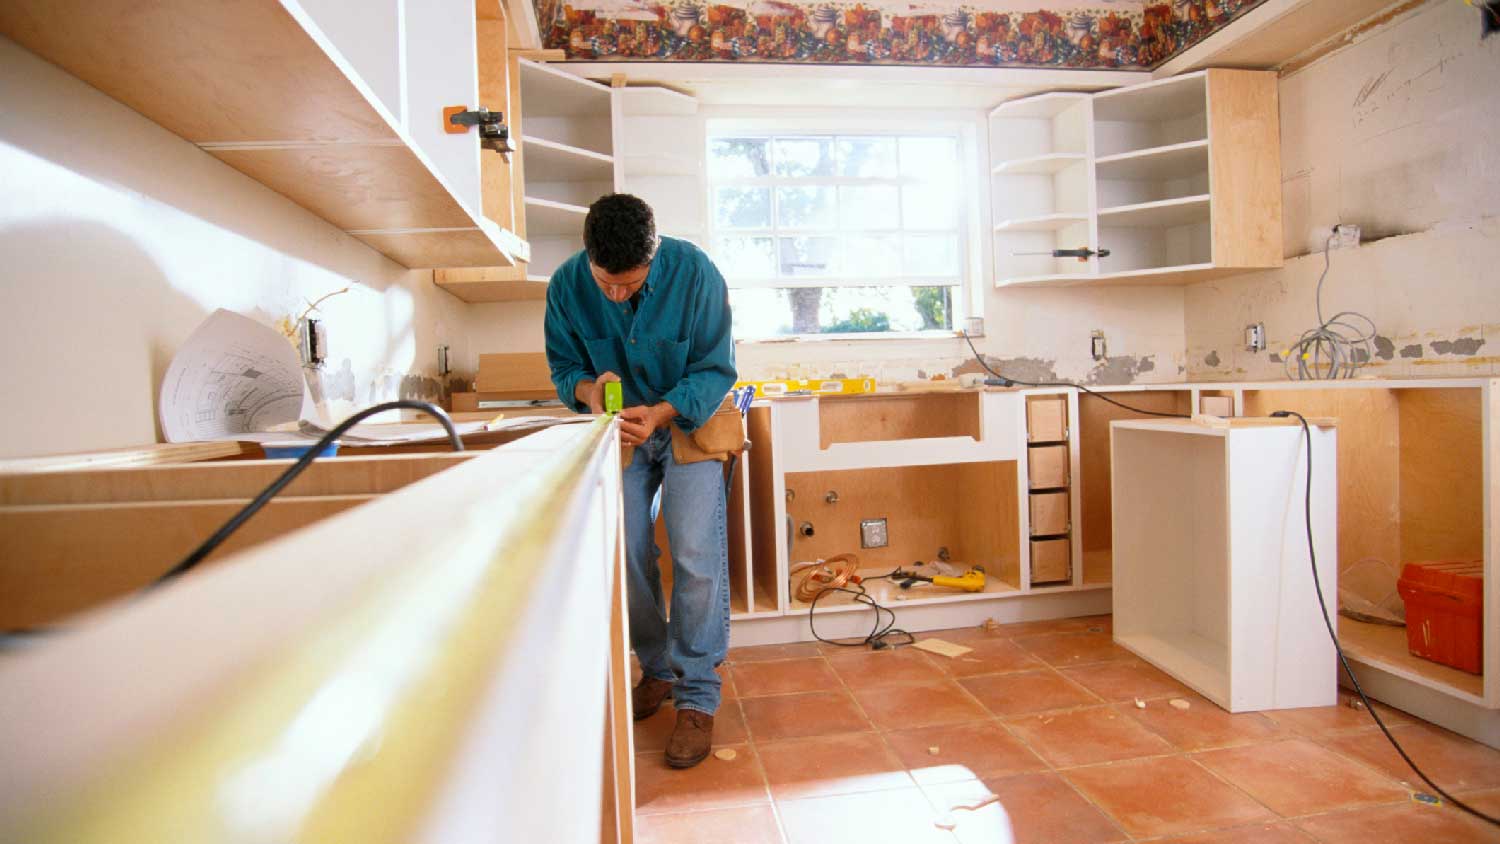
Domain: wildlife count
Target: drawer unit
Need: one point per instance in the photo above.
(1051, 561)
(1046, 418)
(1047, 466)
(1049, 513)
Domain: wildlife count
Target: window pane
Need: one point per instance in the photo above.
(931, 255)
(867, 157)
(746, 257)
(804, 157)
(804, 208)
(742, 208)
(877, 256)
(808, 256)
(739, 158)
(869, 207)
(930, 159)
(930, 205)
(770, 312)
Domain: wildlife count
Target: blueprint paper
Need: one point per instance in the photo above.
(234, 377)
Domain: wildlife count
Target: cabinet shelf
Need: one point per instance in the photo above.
(1384, 647)
(1041, 106)
(1172, 161)
(269, 95)
(1039, 164)
(1160, 214)
(545, 218)
(550, 161)
(1044, 223)
(548, 92)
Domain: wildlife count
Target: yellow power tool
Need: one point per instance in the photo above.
(970, 581)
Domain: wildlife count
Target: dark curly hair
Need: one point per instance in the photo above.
(619, 232)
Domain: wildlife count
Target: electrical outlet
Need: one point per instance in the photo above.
(313, 343)
(1097, 347)
(872, 534)
(1255, 337)
(974, 327)
(1345, 236)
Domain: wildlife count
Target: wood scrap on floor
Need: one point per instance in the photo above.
(942, 647)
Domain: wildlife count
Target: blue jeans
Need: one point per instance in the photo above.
(687, 649)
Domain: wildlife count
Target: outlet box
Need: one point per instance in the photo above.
(872, 534)
(1255, 337)
(1345, 236)
(974, 327)
(1097, 347)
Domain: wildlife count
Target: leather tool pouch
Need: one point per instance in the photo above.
(722, 435)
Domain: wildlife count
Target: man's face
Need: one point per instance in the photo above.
(618, 287)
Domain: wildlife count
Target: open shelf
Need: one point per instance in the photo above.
(297, 121)
(1042, 223)
(549, 92)
(485, 285)
(549, 161)
(1157, 114)
(889, 594)
(1040, 164)
(1159, 214)
(1042, 106)
(1156, 163)
(545, 218)
(1383, 646)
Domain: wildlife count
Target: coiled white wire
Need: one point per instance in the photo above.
(1333, 349)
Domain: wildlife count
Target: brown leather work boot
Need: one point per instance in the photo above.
(647, 696)
(691, 739)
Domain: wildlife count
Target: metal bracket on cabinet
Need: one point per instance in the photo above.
(493, 133)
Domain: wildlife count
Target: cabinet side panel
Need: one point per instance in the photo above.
(1244, 128)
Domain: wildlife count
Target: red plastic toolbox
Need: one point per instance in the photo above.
(1445, 612)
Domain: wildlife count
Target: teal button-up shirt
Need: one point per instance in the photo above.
(675, 346)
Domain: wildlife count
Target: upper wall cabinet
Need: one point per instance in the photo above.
(567, 131)
(1177, 180)
(338, 106)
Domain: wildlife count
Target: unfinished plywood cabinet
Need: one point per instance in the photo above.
(1051, 561)
(1047, 418)
(1049, 513)
(1047, 466)
(337, 106)
(1178, 180)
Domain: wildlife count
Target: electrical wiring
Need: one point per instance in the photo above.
(1006, 382)
(882, 629)
(1337, 347)
(12, 638)
(1338, 649)
(832, 573)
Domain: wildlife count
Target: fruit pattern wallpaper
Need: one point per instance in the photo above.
(1081, 34)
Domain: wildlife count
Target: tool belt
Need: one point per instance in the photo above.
(720, 437)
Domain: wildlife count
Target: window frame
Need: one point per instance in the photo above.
(894, 125)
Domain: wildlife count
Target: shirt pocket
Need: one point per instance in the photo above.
(661, 360)
(605, 356)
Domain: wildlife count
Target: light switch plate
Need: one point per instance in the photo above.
(872, 534)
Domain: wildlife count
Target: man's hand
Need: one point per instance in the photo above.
(639, 422)
(591, 393)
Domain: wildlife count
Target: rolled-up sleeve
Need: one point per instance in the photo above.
(710, 368)
(567, 357)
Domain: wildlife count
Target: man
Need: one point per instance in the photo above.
(653, 314)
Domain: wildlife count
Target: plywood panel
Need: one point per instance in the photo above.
(58, 560)
(1442, 474)
(520, 376)
(494, 93)
(1094, 416)
(1369, 483)
(425, 250)
(1244, 130)
(239, 70)
(969, 508)
(355, 187)
(152, 454)
(237, 479)
(495, 288)
(763, 525)
(886, 418)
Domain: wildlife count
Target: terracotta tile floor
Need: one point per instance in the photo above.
(844, 744)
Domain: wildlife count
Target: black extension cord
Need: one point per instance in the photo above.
(876, 640)
(207, 547)
(1328, 622)
(1003, 381)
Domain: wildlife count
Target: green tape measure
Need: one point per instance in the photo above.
(614, 397)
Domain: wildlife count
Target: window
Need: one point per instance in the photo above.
(837, 234)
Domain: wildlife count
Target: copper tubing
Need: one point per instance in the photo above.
(833, 573)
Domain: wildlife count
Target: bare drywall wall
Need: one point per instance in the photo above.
(117, 238)
(1394, 133)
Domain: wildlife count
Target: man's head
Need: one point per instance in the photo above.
(619, 235)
